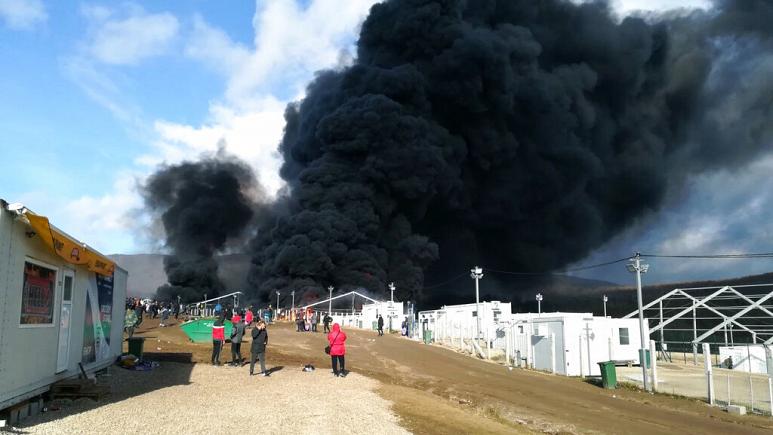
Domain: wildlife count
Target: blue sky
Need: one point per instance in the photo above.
(95, 95)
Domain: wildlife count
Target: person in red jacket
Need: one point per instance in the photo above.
(248, 317)
(337, 338)
(218, 337)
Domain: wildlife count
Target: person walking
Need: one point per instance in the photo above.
(380, 325)
(237, 333)
(138, 311)
(218, 337)
(258, 348)
(337, 339)
(326, 322)
(248, 317)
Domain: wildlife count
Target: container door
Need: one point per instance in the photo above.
(65, 321)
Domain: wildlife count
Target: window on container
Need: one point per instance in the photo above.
(624, 336)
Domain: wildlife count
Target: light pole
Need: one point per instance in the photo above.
(637, 267)
(277, 305)
(392, 290)
(330, 300)
(539, 304)
(476, 273)
(605, 305)
(292, 293)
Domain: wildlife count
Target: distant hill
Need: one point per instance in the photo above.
(146, 272)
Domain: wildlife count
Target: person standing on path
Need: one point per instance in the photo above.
(258, 347)
(326, 321)
(314, 321)
(248, 317)
(236, 343)
(337, 339)
(218, 337)
(380, 325)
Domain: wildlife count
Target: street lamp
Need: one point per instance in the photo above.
(476, 273)
(637, 267)
(292, 293)
(392, 290)
(277, 305)
(539, 304)
(330, 300)
(605, 305)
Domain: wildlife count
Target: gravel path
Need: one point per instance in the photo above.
(185, 398)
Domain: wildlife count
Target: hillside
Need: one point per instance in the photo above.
(146, 272)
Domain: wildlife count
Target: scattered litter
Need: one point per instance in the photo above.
(308, 368)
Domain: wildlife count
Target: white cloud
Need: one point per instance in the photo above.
(130, 36)
(251, 135)
(291, 43)
(22, 14)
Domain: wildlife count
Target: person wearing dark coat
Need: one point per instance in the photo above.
(380, 325)
(258, 348)
(236, 343)
(326, 321)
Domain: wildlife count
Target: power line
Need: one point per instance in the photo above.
(561, 272)
(713, 256)
(446, 282)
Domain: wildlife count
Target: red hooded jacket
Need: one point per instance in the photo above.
(218, 331)
(336, 338)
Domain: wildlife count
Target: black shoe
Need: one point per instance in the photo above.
(252, 374)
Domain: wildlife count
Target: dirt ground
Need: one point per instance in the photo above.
(436, 390)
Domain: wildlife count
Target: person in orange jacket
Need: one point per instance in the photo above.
(337, 339)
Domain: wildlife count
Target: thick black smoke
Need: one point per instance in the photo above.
(202, 205)
(515, 134)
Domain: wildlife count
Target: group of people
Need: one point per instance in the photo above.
(307, 321)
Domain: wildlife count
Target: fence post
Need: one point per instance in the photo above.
(507, 346)
(709, 377)
(654, 364)
(751, 384)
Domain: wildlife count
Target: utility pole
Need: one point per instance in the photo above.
(637, 267)
(605, 305)
(392, 290)
(277, 305)
(292, 293)
(539, 304)
(476, 273)
(330, 300)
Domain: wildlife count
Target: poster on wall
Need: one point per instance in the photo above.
(98, 321)
(37, 302)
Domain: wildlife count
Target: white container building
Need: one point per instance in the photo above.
(62, 304)
(460, 321)
(573, 344)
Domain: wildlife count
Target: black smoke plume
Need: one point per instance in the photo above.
(516, 134)
(202, 205)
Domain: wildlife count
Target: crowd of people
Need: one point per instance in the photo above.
(246, 321)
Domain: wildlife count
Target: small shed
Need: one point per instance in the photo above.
(573, 344)
(62, 304)
(462, 320)
(391, 311)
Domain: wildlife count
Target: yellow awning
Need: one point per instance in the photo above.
(69, 249)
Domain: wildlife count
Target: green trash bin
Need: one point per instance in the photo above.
(608, 374)
(135, 346)
(646, 358)
(427, 336)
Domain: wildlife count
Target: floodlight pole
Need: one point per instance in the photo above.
(539, 304)
(277, 305)
(392, 290)
(330, 300)
(605, 305)
(292, 293)
(476, 273)
(638, 268)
